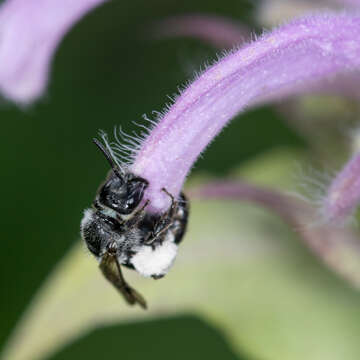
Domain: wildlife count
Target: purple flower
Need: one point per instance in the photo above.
(293, 59)
(30, 32)
(343, 195)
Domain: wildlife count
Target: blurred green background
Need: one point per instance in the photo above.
(107, 72)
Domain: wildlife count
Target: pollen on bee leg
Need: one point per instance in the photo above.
(156, 262)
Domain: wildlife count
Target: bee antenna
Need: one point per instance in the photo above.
(108, 157)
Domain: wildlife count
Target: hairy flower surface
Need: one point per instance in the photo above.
(30, 32)
(292, 59)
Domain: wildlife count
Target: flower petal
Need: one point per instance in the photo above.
(343, 195)
(30, 33)
(290, 60)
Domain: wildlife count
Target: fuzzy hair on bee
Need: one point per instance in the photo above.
(119, 230)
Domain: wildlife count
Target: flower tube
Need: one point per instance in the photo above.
(292, 59)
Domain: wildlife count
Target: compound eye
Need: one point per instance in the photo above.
(135, 193)
(112, 194)
(113, 200)
(123, 197)
(130, 202)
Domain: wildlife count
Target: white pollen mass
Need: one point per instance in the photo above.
(150, 262)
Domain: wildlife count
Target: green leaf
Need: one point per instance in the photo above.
(240, 268)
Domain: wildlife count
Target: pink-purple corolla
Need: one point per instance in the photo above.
(343, 195)
(30, 32)
(293, 59)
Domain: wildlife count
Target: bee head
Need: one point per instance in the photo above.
(122, 192)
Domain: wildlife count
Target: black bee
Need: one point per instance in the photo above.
(119, 231)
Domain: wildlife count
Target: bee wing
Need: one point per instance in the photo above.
(110, 268)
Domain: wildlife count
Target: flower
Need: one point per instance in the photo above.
(302, 56)
(306, 55)
(343, 194)
(30, 32)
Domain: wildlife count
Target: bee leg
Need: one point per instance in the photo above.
(174, 204)
(138, 216)
(164, 223)
(117, 279)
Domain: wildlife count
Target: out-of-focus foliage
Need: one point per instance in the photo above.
(246, 274)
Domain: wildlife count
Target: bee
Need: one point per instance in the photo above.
(119, 231)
